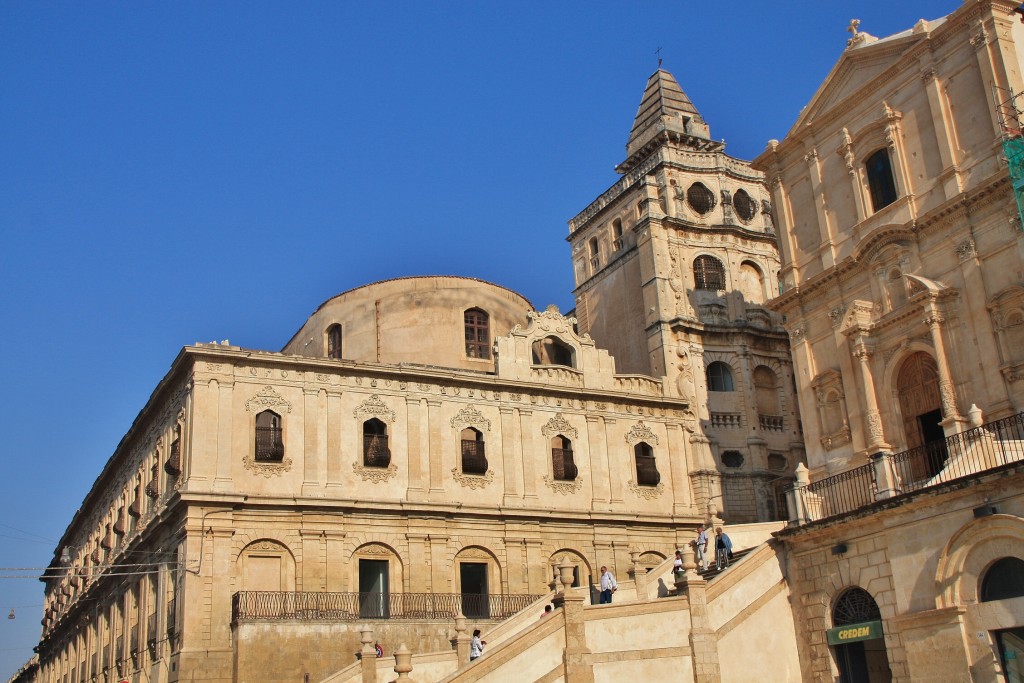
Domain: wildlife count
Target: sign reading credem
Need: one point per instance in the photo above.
(851, 633)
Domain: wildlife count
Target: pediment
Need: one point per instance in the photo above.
(856, 68)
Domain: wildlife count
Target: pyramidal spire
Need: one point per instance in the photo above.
(665, 107)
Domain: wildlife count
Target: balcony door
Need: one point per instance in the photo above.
(921, 405)
(473, 577)
(373, 589)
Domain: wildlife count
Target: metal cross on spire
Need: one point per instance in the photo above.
(658, 52)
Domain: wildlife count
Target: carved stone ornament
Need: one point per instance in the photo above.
(646, 492)
(373, 549)
(470, 417)
(266, 545)
(267, 469)
(375, 474)
(473, 481)
(268, 398)
(966, 250)
(564, 487)
(641, 432)
(474, 553)
(558, 425)
(374, 407)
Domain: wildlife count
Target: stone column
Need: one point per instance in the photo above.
(795, 496)
(825, 228)
(938, 106)
(462, 639)
(312, 453)
(435, 455)
(616, 480)
(529, 456)
(513, 474)
(953, 421)
(224, 390)
(703, 639)
(875, 435)
(536, 567)
(576, 658)
(413, 417)
(440, 567)
(419, 581)
(885, 479)
(600, 484)
(368, 656)
(335, 454)
(679, 462)
(313, 569)
(337, 568)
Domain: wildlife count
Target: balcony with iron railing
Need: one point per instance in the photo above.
(983, 448)
(646, 471)
(269, 444)
(375, 450)
(345, 607)
(562, 464)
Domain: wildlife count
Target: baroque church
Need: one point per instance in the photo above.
(817, 351)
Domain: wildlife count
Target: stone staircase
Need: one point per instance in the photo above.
(712, 572)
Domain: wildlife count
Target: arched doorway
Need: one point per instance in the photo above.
(921, 407)
(1002, 581)
(857, 640)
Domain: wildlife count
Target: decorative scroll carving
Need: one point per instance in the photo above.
(552, 321)
(266, 545)
(473, 481)
(641, 432)
(646, 492)
(267, 469)
(374, 407)
(558, 425)
(373, 549)
(563, 487)
(966, 250)
(470, 417)
(268, 398)
(836, 315)
(375, 474)
(474, 553)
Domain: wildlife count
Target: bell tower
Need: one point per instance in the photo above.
(673, 264)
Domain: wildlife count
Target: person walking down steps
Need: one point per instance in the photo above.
(700, 545)
(723, 549)
(608, 586)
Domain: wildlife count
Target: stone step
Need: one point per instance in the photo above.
(712, 571)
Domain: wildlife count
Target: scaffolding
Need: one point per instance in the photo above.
(1009, 113)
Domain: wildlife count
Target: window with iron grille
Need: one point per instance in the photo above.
(474, 460)
(880, 179)
(173, 464)
(708, 273)
(700, 198)
(269, 441)
(375, 444)
(1003, 580)
(646, 471)
(746, 207)
(855, 606)
(334, 341)
(562, 465)
(719, 376)
(478, 335)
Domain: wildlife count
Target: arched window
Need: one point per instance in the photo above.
(617, 233)
(595, 254)
(474, 461)
(562, 464)
(478, 334)
(1003, 580)
(720, 377)
(855, 606)
(334, 341)
(646, 470)
(880, 180)
(172, 465)
(751, 283)
(708, 273)
(269, 444)
(553, 351)
(375, 444)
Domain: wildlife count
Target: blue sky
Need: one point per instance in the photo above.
(182, 172)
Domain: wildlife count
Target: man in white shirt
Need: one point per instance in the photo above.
(608, 586)
(702, 548)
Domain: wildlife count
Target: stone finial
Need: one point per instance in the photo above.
(975, 414)
(366, 639)
(403, 663)
(462, 638)
(689, 565)
(460, 623)
(803, 475)
(565, 576)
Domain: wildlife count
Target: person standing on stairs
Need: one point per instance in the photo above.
(608, 586)
(723, 549)
(701, 547)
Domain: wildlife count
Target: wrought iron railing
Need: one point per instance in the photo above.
(841, 492)
(473, 459)
(961, 455)
(269, 444)
(298, 606)
(375, 450)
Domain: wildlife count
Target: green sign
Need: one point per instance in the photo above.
(851, 633)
